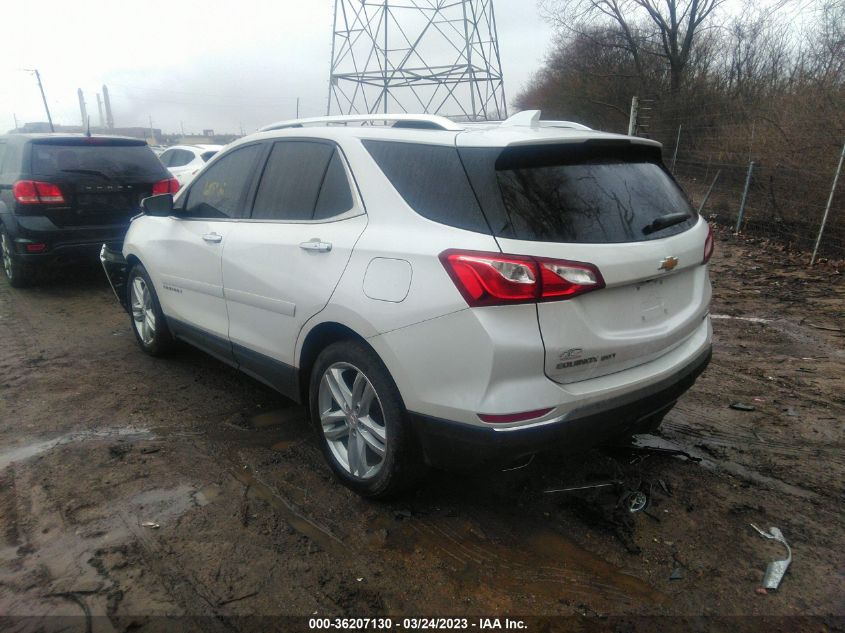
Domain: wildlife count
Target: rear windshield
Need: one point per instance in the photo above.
(586, 194)
(128, 163)
(595, 192)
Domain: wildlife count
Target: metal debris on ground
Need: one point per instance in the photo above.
(635, 501)
(741, 406)
(603, 484)
(150, 524)
(777, 568)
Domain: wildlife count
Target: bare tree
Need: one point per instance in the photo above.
(666, 28)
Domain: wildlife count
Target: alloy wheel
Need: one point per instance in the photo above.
(143, 315)
(352, 420)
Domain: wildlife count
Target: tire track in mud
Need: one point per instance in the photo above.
(525, 567)
(685, 421)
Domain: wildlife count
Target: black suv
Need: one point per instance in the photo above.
(64, 195)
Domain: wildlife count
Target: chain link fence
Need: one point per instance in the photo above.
(770, 182)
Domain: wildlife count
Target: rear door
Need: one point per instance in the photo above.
(613, 206)
(281, 266)
(186, 254)
(102, 180)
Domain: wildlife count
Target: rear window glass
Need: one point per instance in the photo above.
(431, 180)
(127, 163)
(579, 195)
(207, 155)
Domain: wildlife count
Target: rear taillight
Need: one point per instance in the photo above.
(35, 192)
(487, 279)
(708, 245)
(170, 185)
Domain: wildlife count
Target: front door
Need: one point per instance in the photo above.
(190, 248)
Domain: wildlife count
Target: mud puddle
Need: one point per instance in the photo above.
(26, 451)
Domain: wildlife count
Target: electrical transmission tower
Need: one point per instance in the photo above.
(430, 56)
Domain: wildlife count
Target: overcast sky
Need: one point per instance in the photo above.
(207, 64)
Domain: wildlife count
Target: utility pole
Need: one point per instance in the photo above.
(181, 126)
(43, 96)
(152, 134)
(297, 107)
(15, 117)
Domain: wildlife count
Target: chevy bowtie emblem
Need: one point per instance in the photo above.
(668, 264)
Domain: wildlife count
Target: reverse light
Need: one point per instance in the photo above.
(35, 192)
(169, 185)
(486, 279)
(709, 245)
(513, 417)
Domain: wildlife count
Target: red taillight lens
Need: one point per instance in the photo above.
(513, 417)
(709, 245)
(34, 192)
(171, 185)
(487, 279)
(35, 247)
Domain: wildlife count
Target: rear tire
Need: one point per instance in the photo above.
(360, 420)
(148, 322)
(17, 272)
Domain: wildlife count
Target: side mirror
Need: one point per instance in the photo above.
(159, 206)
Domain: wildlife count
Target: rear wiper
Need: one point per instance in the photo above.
(665, 221)
(93, 172)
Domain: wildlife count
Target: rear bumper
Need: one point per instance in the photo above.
(448, 444)
(62, 243)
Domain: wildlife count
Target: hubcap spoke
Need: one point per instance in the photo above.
(374, 428)
(375, 445)
(336, 432)
(340, 392)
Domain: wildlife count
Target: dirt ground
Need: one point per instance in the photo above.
(133, 487)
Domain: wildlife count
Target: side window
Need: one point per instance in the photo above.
(166, 157)
(2, 156)
(11, 160)
(432, 180)
(180, 158)
(219, 192)
(291, 181)
(335, 196)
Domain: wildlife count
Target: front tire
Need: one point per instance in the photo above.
(18, 273)
(147, 319)
(360, 420)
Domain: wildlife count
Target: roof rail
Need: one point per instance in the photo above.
(429, 120)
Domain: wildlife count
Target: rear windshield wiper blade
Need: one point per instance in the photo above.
(92, 172)
(665, 221)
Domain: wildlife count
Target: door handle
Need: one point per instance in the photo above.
(316, 245)
(214, 238)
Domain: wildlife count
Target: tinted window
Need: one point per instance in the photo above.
(180, 158)
(167, 156)
(581, 194)
(335, 196)
(207, 155)
(127, 163)
(300, 178)
(219, 192)
(2, 155)
(432, 181)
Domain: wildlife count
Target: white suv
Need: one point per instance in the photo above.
(436, 293)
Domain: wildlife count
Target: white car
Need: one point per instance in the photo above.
(436, 293)
(184, 161)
